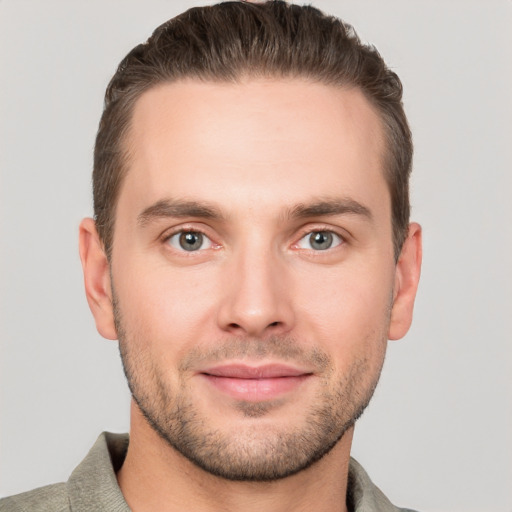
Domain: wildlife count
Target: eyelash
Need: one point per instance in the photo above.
(183, 230)
(321, 229)
(305, 232)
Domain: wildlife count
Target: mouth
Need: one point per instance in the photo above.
(255, 383)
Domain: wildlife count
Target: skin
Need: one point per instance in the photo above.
(254, 152)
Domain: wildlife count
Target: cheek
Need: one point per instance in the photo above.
(349, 309)
(162, 305)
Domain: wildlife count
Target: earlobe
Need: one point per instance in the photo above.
(97, 278)
(407, 275)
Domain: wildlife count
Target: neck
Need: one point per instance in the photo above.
(155, 477)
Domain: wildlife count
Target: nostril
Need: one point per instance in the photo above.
(233, 326)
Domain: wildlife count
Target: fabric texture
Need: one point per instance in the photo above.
(93, 486)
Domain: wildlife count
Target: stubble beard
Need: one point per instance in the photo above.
(258, 452)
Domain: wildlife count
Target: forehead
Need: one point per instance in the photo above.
(226, 141)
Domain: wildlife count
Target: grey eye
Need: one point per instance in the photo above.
(320, 240)
(189, 241)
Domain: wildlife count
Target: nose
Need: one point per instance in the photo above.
(256, 297)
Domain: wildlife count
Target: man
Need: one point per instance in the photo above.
(251, 251)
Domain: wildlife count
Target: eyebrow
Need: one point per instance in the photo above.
(328, 207)
(178, 209)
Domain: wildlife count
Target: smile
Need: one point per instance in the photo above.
(255, 383)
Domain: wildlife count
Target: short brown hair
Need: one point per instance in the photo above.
(230, 40)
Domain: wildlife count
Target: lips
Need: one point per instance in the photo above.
(269, 371)
(255, 383)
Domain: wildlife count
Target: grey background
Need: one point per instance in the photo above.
(438, 435)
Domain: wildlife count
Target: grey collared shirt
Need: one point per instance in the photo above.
(93, 486)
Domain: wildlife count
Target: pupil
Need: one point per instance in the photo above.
(321, 240)
(191, 241)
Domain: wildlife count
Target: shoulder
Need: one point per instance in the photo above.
(364, 495)
(51, 498)
(91, 487)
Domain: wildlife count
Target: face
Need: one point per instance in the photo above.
(253, 277)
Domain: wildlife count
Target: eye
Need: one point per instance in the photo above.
(189, 241)
(320, 241)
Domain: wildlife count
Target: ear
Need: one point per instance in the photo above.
(407, 275)
(97, 278)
